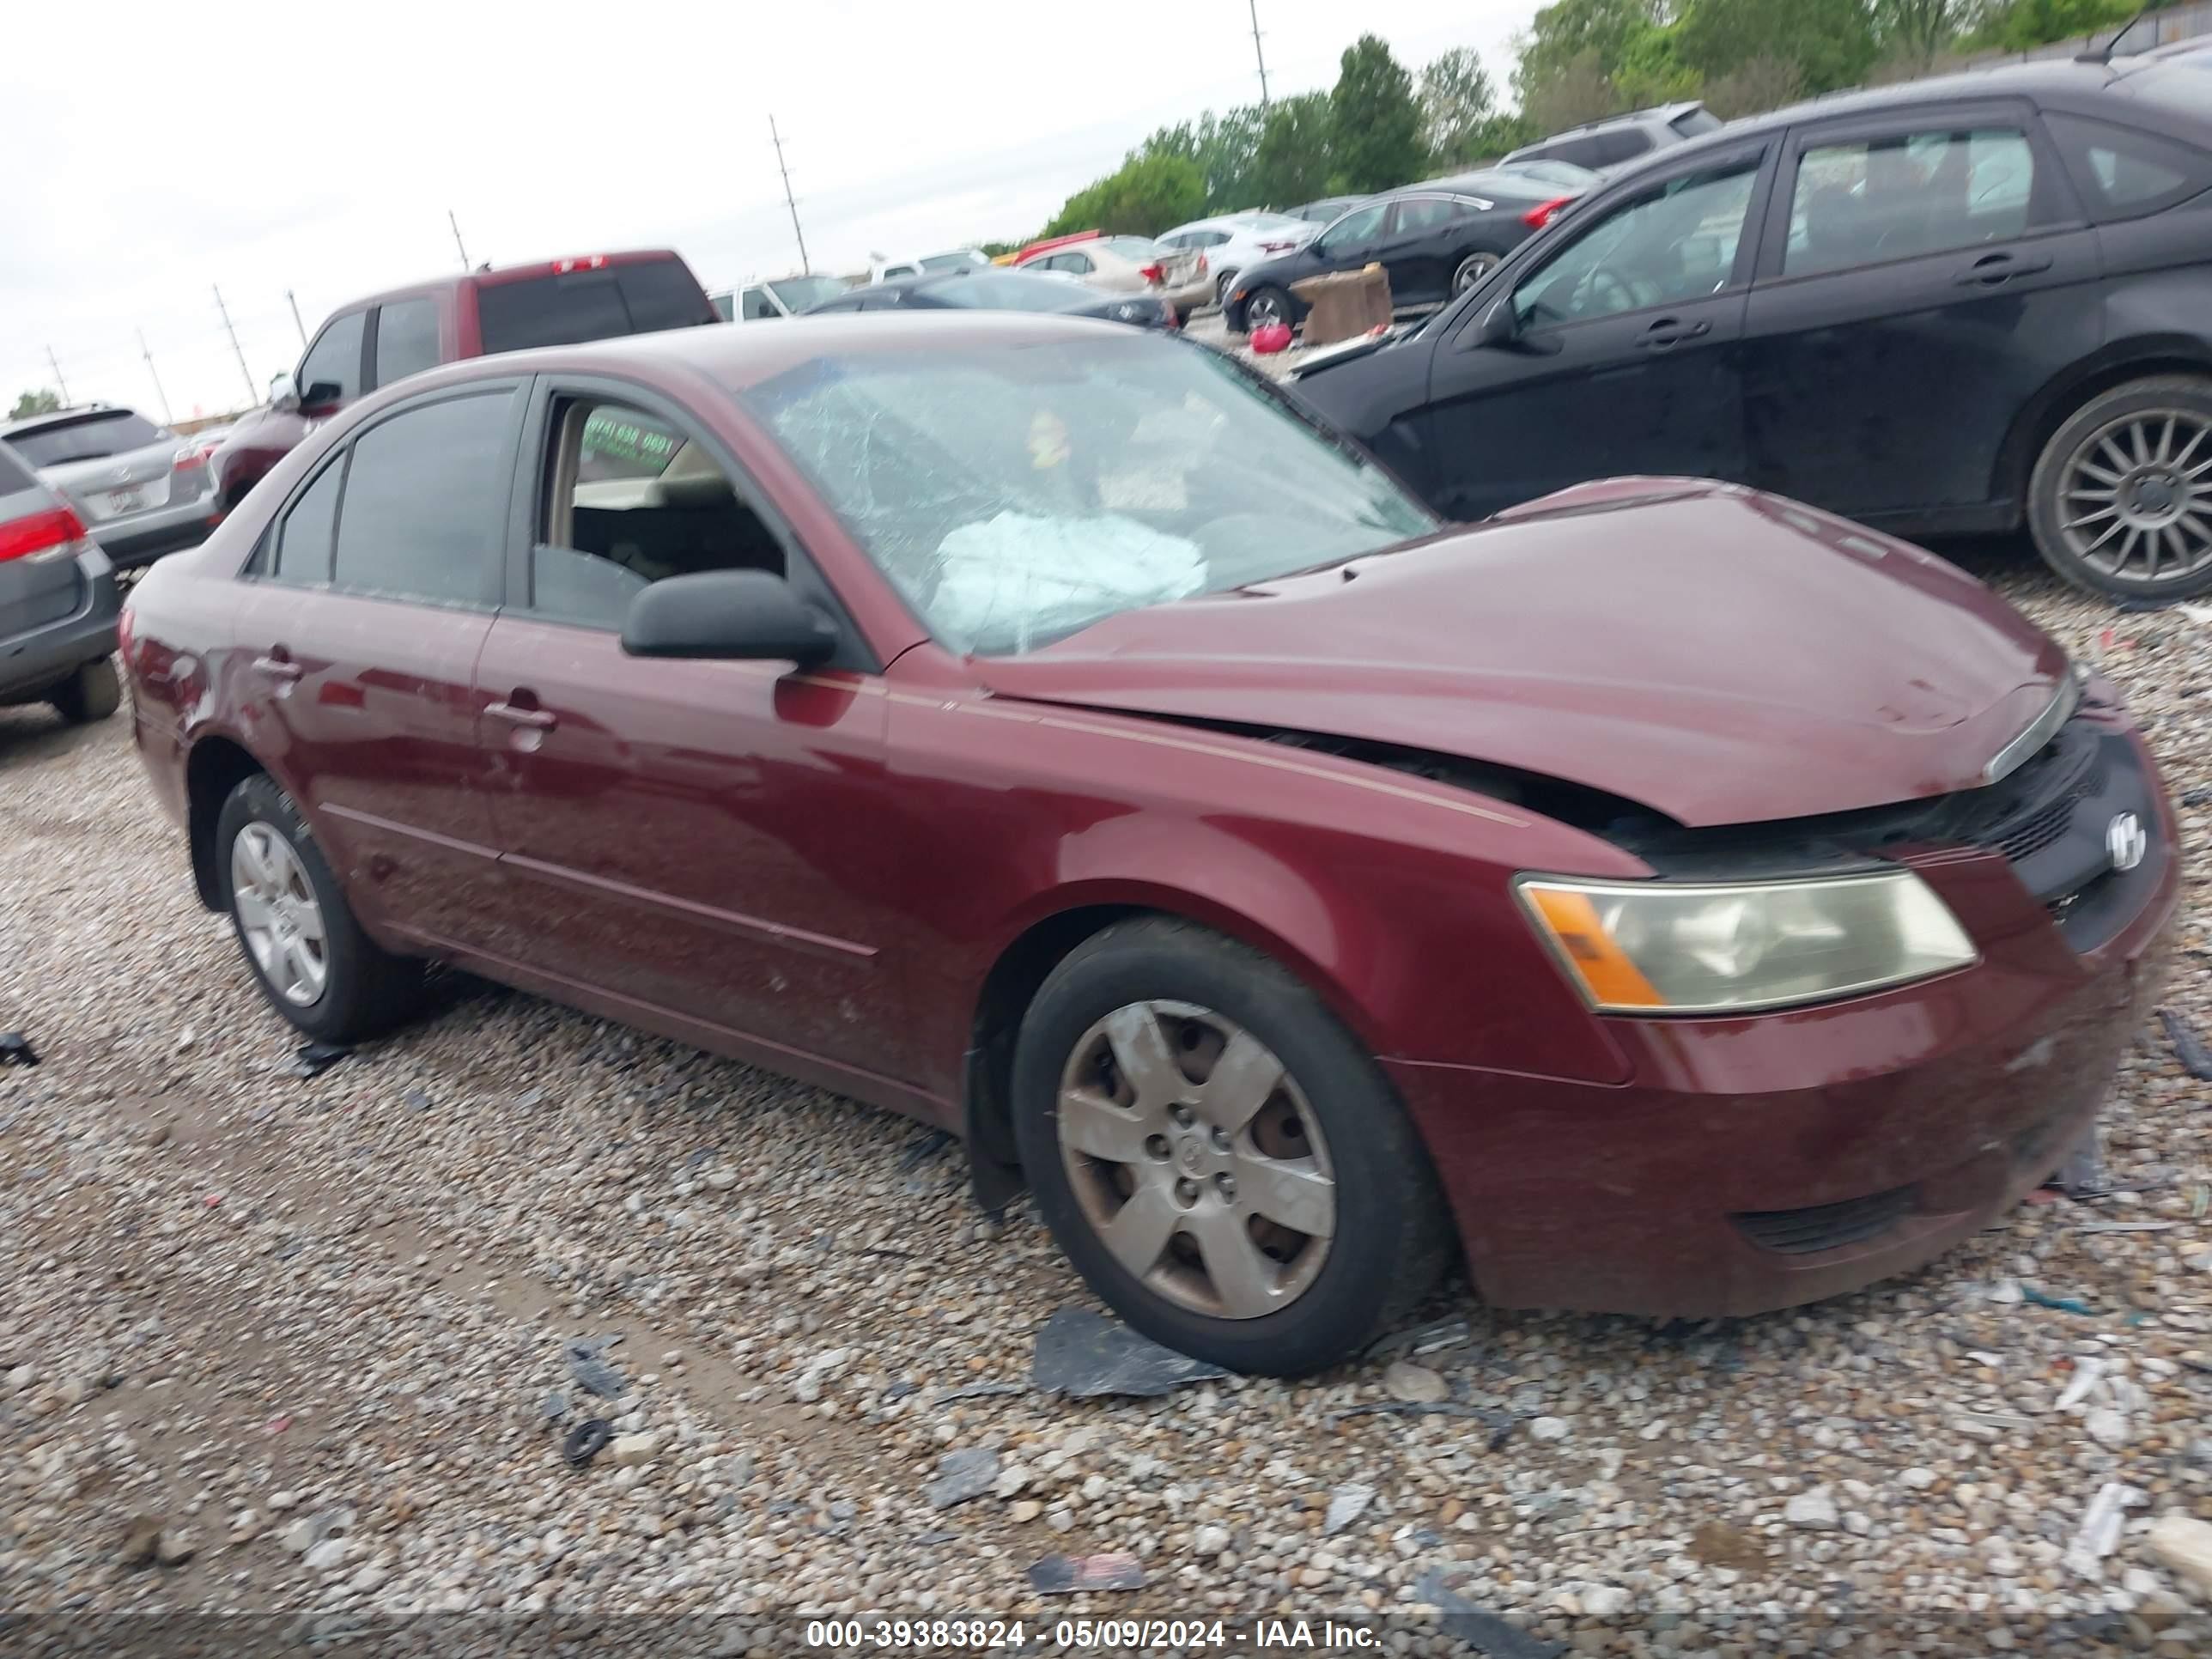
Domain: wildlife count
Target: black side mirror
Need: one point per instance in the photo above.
(321, 394)
(1500, 326)
(729, 616)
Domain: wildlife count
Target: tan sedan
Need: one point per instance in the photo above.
(1133, 264)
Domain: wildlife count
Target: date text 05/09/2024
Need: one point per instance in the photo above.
(935, 1636)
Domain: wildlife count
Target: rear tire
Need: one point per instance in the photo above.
(343, 987)
(1472, 269)
(1221, 1222)
(1221, 289)
(2120, 501)
(93, 693)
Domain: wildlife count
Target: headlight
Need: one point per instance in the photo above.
(1671, 948)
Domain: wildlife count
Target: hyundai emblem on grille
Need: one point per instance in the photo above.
(2127, 841)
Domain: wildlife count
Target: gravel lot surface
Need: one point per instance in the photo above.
(301, 1344)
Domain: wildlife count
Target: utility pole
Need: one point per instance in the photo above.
(147, 352)
(296, 323)
(1260, 55)
(252, 390)
(458, 242)
(55, 364)
(777, 138)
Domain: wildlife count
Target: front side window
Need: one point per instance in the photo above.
(1903, 195)
(1675, 245)
(800, 292)
(425, 497)
(633, 497)
(1355, 229)
(333, 363)
(406, 339)
(758, 307)
(86, 438)
(2126, 173)
(1013, 497)
(304, 539)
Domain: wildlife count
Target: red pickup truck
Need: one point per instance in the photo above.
(373, 341)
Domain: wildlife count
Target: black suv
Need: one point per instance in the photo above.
(1951, 306)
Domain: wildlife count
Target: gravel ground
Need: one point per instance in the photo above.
(305, 1339)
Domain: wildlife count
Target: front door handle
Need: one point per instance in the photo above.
(1667, 332)
(277, 667)
(1991, 268)
(542, 720)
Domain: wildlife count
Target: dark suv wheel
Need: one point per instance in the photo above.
(2120, 502)
(1222, 1162)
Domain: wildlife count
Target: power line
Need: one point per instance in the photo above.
(457, 243)
(55, 363)
(250, 389)
(147, 351)
(296, 323)
(1258, 54)
(789, 200)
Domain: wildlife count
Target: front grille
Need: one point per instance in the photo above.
(2048, 823)
(1825, 1226)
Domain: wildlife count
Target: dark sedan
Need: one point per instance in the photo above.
(1693, 902)
(1435, 239)
(1958, 305)
(983, 288)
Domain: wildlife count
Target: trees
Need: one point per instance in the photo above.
(1913, 34)
(1144, 195)
(1457, 106)
(1292, 162)
(41, 400)
(1753, 87)
(2020, 25)
(1375, 125)
(1831, 42)
(1223, 146)
(1561, 35)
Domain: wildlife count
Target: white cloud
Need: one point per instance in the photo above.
(263, 147)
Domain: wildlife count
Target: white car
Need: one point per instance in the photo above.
(930, 264)
(1236, 240)
(783, 296)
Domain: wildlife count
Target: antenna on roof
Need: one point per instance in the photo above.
(2104, 54)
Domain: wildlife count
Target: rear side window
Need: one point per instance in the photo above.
(426, 500)
(334, 360)
(588, 305)
(1901, 195)
(1696, 123)
(2124, 173)
(14, 474)
(304, 541)
(406, 339)
(94, 437)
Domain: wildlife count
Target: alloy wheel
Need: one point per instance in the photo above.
(1197, 1159)
(1262, 310)
(278, 915)
(2136, 503)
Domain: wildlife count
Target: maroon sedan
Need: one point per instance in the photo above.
(1680, 901)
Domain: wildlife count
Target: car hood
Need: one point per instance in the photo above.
(1718, 655)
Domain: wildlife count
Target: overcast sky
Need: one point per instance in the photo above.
(160, 151)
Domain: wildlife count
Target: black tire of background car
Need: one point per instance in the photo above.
(1285, 307)
(1474, 265)
(1222, 288)
(2045, 512)
(1393, 1239)
(369, 990)
(93, 693)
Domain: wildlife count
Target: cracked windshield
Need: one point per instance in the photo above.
(1016, 495)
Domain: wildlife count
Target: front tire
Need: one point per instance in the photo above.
(2120, 501)
(1267, 304)
(308, 954)
(1225, 1165)
(93, 693)
(1222, 289)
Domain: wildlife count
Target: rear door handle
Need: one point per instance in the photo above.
(1992, 269)
(277, 668)
(542, 720)
(1668, 333)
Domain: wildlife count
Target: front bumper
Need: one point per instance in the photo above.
(1763, 1162)
(35, 662)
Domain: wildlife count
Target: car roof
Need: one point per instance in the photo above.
(1487, 182)
(1654, 114)
(740, 357)
(495, 275)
